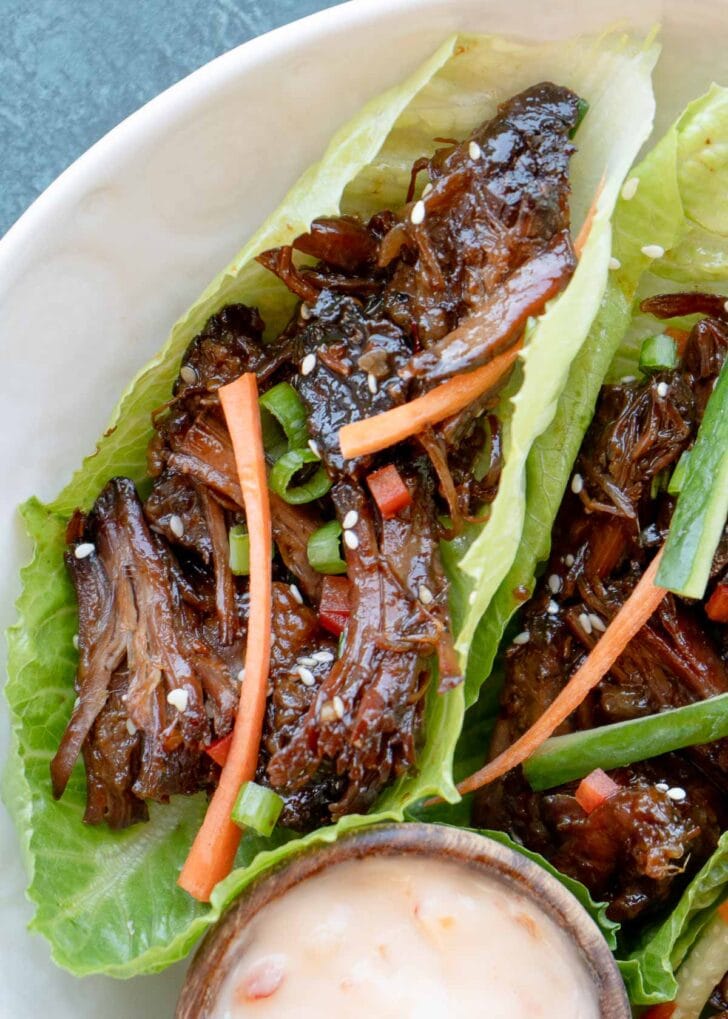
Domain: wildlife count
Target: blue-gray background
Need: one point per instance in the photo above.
(72, 69)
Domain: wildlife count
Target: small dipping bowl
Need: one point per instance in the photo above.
(265, 916)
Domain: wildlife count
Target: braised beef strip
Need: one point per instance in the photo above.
(449, 281)
(642, 844)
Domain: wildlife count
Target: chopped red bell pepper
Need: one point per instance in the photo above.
(220, 749)
(594, 790)
(717, 605)
(665, 1011)
(723, 911)
(334, 606)
(390, 492)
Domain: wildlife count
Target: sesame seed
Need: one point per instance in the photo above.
(84, 549)
(626, 379)
(585, 622)
(569, 560)
(426, 189)
(305, 675)
(240, 676)
(552, 608)
(614, 264)
(338, 706)
(178, 698)
(176, 526)
(131, 728)
(372, 383)
(425, 595)
(350, 540)
(677, 794)
(471, 597)
(328, 712)
(417, 215)
(77, 704)
(662, 389)
(323, 656)
(350, 520)
(577, 484)
(652, 250)
(554, 583)
(474, 150)
(725, 305)
(308, 660)
(629, 189)
(308, 364)
(296, 593)
(313, 446)
(522, 638)
(305, 312)
(662, 787)
(597, 622)
(74, 640)
(188, 374)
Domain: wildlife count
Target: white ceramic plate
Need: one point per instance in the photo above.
(95, 273)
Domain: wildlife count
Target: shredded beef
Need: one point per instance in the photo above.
(639, 847)
(389, 307)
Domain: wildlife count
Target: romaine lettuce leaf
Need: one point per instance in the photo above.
(674, 190)
(557, 337)
(107, 901)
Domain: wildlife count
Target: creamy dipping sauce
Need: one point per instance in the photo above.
(405, 937)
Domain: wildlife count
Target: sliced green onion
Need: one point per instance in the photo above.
(284, 404)
(239, 551)
(658, 353)
(582, 108)
(257, 807)
(702, 505)
(658, 484)
(677, 478)
(285, 470)
(324, 549)
(564, 758)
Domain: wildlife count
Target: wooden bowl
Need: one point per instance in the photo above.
(220, 949)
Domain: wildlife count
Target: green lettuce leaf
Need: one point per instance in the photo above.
(650, 971)
(677, 203)
(107, 901)
(618, 92)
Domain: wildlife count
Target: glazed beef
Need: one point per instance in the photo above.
(641, 844)
(388, 308)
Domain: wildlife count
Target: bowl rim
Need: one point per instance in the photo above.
(220, 948)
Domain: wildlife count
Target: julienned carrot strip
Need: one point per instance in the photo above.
(383, 430)
(213, 852)
(626, 624)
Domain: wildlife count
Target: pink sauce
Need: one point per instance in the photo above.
(406, 937)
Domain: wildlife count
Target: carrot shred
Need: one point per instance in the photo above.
(213, 852)
(586, 226)
(626, 624)
(383, 430)
(723, 911)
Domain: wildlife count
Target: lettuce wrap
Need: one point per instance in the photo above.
(107, 901)
(677, 207)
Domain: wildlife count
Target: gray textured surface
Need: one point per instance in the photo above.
(72, 69)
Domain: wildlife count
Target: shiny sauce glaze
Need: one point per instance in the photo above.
(406, 937)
